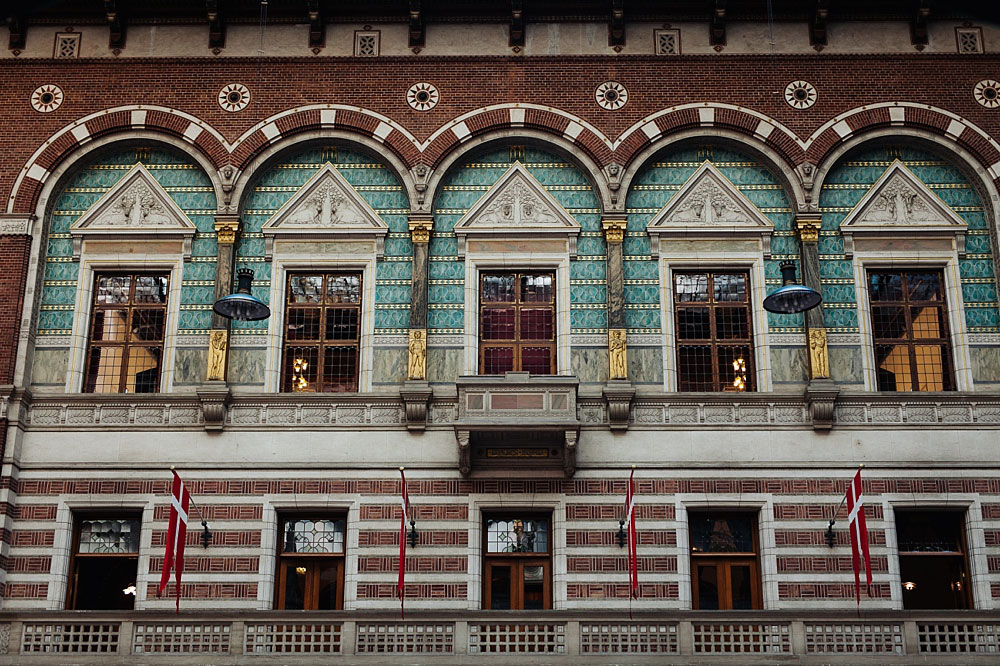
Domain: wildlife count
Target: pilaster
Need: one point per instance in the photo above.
(226, 229)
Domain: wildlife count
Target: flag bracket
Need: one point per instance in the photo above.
(412, 534)
(622, 534)
(830, 538)
(206, 534)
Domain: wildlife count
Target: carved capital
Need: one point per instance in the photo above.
(226, 227)
(464, 452)
(420, 228)
(214, 397)
(618, 394)
(808, 228)
(415, 396)
(218, 350)
(614, 229)
(819, 354)
(821, 396)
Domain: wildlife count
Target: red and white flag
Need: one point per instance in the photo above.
(859, 534)
(176, 533)
(404, 499)
(633, 560)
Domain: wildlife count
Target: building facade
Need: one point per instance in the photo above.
(519, 254)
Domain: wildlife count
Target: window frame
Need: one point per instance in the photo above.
(909, 341)
(72, 589)
(714, 342)
(517, 561)
(962, 555)
(322, 344)
(310, 595)
(517, 343)
(725, 561)
(945, 260)
(126, 345)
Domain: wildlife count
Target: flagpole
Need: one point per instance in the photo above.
(833, 520)
(206, 536)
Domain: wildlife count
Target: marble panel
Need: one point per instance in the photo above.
(846, 365)
(985, 364)
(645, 365)
(389, 365)
(788, 365)
(590, 364)
(444, 364)
(190, 365)
(246, 366)
(48, 367)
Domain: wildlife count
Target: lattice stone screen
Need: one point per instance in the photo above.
(298, 638)
(405, 638)
(527, 638)
(738, 638)
(631, 638)
(181, 638)
(854, 638)
(70, 637)
(945, 638)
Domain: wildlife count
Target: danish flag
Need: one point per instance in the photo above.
(633, 560)
(404, 500)
(859, 534)
(176, 533)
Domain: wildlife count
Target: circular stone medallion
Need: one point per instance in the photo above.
(987, 93)
(234, 97)
(800, 94)
(611, 95)
(46, 98)
(422, 96)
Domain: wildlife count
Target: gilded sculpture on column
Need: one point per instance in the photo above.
(217, 346)
(617, 355)
(417, 365)
(819, 359)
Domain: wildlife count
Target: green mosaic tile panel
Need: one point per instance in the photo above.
(642, 319)
(588, 319)
(979, 293)
(839, 293)
(185, 183)
(644, 293)
(640, 270)
(446, 270)
(446, 293)
(853, 178)
(450, 318)
(588, 293)
(587, 270)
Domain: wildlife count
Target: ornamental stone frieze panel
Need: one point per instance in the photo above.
(502, 405)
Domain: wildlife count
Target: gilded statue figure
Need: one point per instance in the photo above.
(217, 355)
(616, 354)
(818, 358)
(418, 354)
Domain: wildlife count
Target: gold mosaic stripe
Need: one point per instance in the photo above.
(698, 164)
(359, 188)
(862, 186)
(507, 165)
(269, 212)
(461, 282)
(392, 306)
(445, 306)
(485, 188)
(148, 167)
(393, 282)
(340, 167)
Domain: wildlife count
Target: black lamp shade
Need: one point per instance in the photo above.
(242, 305)
(791, 297)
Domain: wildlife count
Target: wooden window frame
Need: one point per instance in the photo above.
(517, 562)
(311, 593)
(127, 344)
(321, 344)
(962, 554)
(72, 591)
(713, 342)
(518, 304)
(725, 561)
(910, 342)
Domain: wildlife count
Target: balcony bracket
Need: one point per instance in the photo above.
(214, 397)
(415, 396)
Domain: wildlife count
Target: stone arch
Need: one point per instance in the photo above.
(538, 139)
(782, 169)
(124, 123)
(285, 145)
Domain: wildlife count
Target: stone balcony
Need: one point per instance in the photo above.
(457, 637)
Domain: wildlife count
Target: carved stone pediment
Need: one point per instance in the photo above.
(709, 205)
(327, 206)
(517, 207)
(136, 207)
(900, 205)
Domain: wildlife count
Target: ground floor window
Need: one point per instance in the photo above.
(517, 567)
(932, 559)
(725, 561)
(311, 563)
(104, 563)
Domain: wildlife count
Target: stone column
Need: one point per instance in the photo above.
(618, 392)
(226, 227)
(821, 392)
(416, 392)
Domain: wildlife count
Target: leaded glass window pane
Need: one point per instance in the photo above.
(109, 536)
(721, 534)
(517, 535)
(313, 536)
